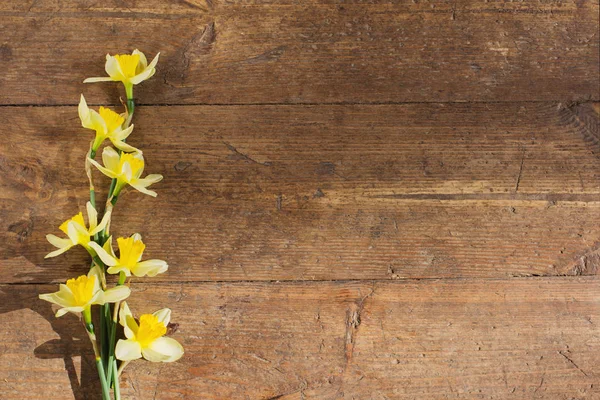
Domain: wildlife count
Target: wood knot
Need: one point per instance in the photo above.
(23, 229)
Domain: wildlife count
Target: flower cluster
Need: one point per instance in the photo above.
(124, 164)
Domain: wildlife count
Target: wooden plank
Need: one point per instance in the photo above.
(336, 192)
(518, 338)
(200, 7)
(290, 52)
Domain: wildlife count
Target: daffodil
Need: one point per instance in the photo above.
(130, 69)
(77, 231)
(130, 254)
(107, 124)
(78, 295)
(146, 338)
(126, 168)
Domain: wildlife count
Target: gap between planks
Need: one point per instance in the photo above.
(401, 280)
(567, 103)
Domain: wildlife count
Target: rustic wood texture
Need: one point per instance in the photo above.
(517, 338)
(362, 199)
(306, 52)
(321, 193)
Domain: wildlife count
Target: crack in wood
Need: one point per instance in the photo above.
(520, 172)
(245, 156)
(572, 362)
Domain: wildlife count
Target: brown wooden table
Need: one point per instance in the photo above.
(362, 199)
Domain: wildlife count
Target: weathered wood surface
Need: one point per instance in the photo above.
(222, 52)
(407, 238)
(321, 193)
(479, 339)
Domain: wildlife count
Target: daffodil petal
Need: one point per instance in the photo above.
(97, 298)
(92, 215)
(57, 298)
(139, 171)
(142, 76)
(124, 133)
(124, 312)
(154, 60)
(130, 327)
(100, 282)
(105, 171)
(98, 124)
(58, 242)
(113, 69)
(118, 269)
(65, 310)
(84, 113)
(163, 315)
(143, 59)
(163, 349)
(124, 146)
(127, 171)
(103, 223)
(116, 294)
(128, 350)
(98, 79)
(149, 180)
(104, 256)
(108, 247)
(65, 293)
(58, 252)
(144, 190)
(150, 268)
(147, 73)
(110, 158)
(73, 231)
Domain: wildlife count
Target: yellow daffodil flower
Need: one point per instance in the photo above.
(146, 339)
(78, 295)
(127, 169)
(107, 124)
(130, 69)
(77, 231)
(130, 254)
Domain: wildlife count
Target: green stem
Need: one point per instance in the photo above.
(112, 370)
(89, 327)
(116, 378)
(103, 383)
(129, 91)
(103, 347)
(106, 348)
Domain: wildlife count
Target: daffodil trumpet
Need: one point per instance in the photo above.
(127, 169)
(108, 125)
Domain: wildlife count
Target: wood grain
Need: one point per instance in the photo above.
(220, 52)
(518, 338)
(337, 192)
(362, 199)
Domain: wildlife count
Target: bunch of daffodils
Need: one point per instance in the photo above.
(124, 164)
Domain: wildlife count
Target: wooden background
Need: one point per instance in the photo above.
(362, 199)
